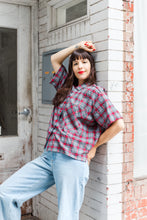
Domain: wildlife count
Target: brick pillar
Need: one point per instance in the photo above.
(134, 191)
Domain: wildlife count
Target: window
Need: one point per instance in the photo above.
(64, 13)
(8, 81)
(140, 85)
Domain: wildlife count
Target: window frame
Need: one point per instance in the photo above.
(52, 14)
(140, 46)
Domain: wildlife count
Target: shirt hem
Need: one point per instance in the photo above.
(84, 159)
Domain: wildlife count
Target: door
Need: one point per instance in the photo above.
(15, 90)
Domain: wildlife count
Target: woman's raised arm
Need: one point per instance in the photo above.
(58, 58)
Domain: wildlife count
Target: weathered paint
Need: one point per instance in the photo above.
(16, 150)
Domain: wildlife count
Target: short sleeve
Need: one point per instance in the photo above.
(104, 111)
(59, 77)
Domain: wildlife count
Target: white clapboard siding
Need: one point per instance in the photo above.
(45, 213)
(41, 141)
(101, 56)
(99, 6)
(102, 45)
(114, 188)
(116, 24)
(102, 66)
(83, 216)
(116, 45)
(116, 5)
(115, 86)
(92, 2)
(95, 185)
(116, 34)
(115, 92)
(115, 96)
(102, 15)
(100, 26)
(116, 14)
(100, 36)
(115, 75)
(42, 28)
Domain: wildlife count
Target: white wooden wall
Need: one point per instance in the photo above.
(104, 27)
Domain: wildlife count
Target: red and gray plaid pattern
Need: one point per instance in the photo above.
(77, 123)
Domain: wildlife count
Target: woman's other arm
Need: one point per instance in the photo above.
(108, 134)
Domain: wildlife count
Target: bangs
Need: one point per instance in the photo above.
(80, 54)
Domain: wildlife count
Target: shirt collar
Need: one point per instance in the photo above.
(80, 87)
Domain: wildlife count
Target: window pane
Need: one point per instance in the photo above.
(8, 81)
(76, 11)
(69, 12)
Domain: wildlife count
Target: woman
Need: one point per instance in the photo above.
(83, 118)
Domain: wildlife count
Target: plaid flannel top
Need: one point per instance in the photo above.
(77, 123)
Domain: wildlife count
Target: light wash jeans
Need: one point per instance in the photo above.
(69, 175)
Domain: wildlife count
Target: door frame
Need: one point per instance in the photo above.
(33, 4)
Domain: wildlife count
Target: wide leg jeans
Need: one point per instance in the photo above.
(69, 175)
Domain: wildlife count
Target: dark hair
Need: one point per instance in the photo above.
(71, 78)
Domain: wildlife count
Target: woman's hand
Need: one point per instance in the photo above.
(86, 45)
(58, 58)
(91, 154)
(107, 135)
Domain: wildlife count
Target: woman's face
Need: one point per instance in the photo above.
(81, 69)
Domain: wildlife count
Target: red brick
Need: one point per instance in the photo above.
(128, 157)
(125, 106)
(144, 190)
(128, 117)
(128, 66)
(127, 176)
(128, 37)
(128, 46)
(128, 16)
(137, 192)
(142, 203)
(134, 201)
(129, 196)
(129, 87)
(128, 167)
(142, 218)
(128, 137)
(129, 6)
(129, 76)
(128, 56)
(130, 185)
(134, 214)
(129, 107)
(129, 127)
(129, 26)
(128, 96)
(142, 212)
(131, 215)
(129, 147)
(130, 205)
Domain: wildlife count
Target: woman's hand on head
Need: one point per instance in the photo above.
(86, 45)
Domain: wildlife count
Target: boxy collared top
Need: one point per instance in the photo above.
(77, 123)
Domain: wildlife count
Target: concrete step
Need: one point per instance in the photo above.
(28, 217)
